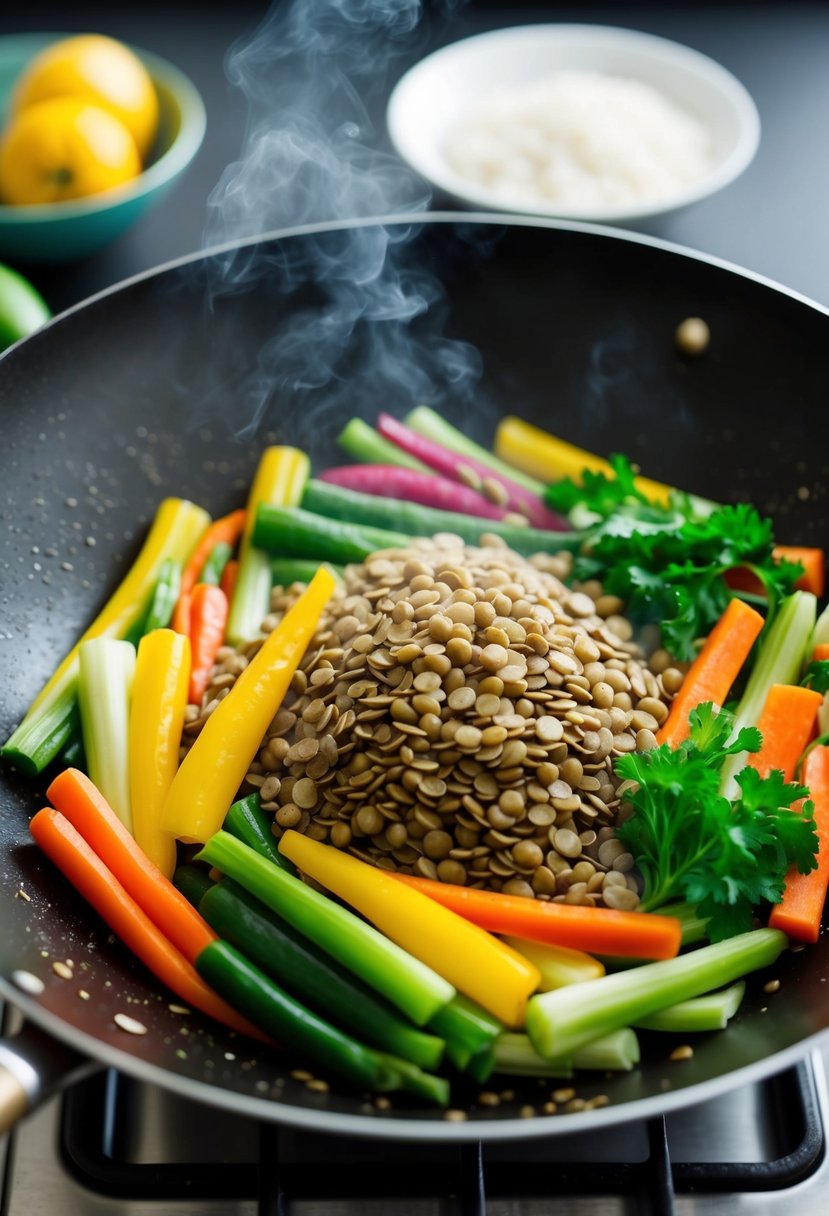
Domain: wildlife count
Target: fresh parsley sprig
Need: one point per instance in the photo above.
(690, 843)
(668, 562)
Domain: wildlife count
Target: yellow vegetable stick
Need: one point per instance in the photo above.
(159, 697)
(476, 963)
(280, 479)
(174, 533)
(214, 768)
(550, 459)
(557, 965)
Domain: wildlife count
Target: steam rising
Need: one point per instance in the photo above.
(311, 155)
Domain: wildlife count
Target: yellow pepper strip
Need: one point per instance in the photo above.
(279, 481)
(558, 965)
(175, 531)
(214, 768)
(159, 697)
(544, 456)
(476, 963)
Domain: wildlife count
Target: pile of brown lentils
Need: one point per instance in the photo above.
(457, 716)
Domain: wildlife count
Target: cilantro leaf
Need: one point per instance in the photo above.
(817, 675)
(691, 843)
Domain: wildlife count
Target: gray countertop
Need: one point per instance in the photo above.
(772, 220)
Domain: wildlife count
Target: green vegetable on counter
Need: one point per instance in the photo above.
(22, 308)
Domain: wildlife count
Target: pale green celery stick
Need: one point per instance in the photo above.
(431, 426)
(560, 1022)
(106, 667)
(779, 661)
(820, 633)
(370, 447)
(710, 1012)
(617, 1052)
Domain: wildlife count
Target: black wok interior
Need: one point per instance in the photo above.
(144, 391)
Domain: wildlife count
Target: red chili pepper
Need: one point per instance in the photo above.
(209, 609)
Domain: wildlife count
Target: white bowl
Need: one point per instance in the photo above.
(440, 90)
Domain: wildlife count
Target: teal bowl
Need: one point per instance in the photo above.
(64, 232)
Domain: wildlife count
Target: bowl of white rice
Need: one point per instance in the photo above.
(582, 121)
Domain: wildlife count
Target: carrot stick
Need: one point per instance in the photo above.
(715, 668)
(594, 930)
(228, 579)
(74, 857)
(786, 724)
(228, 529)
(181, 616)
(799, 912)
(87, 810)
(813, 562)
(208, 620)
(821, 652)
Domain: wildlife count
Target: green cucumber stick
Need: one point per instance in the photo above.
(562, 1021)
(295, 532)
(409, 984)
(368, 446)
(248, 822)
(431, 426)
(779, 661)
(106, 671)
(288, 570)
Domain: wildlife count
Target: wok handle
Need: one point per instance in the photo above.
(33, 1066)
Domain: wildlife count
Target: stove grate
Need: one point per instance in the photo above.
(97, 1128)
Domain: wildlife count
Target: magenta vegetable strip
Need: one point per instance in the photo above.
(408, 485)
(450, 464)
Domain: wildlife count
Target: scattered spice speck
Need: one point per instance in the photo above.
(180, 1009)
(181, 1054)
(684, 1052)
(527, 1112)
(21, 894)
(62, 971)
(772, 986)
(382, 1103)
(563, 1095)
(83, 994)
(298, 1074)
(229, 1055)
(318, 1085)
(550, 1108)
(488, 1098)
(575, 1105)
(455, 1116)
(129, 1025)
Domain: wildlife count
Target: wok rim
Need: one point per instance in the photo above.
(379, 1125)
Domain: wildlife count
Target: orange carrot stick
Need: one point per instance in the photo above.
(786, 724)
(229, 576)
(181, 616)
(821, 652)
(714, 670)
(799, 912)
(228, 529)
(73, 856)
(594, 930)
(813, 562)
(209, 610)
(89, 813)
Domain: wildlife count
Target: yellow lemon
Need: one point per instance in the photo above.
(100, 70)
(64, 148)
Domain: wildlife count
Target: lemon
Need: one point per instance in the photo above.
(63, 149)
(97, 69)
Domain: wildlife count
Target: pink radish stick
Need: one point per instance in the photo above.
(409, 485)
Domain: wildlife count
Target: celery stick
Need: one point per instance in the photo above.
(405, 981)
(52, 716)
(560, 1022)
(617, 1051)
(779, 661)
(280, 476)
(415, 1080)
(429, 424)
(820, 633)
(370, 447)
(710, 1012)
(107, 667)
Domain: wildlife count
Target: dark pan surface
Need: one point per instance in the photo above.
(142, 393)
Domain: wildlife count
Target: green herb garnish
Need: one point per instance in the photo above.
(689, 842)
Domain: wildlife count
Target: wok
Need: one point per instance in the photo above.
(146, 390)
